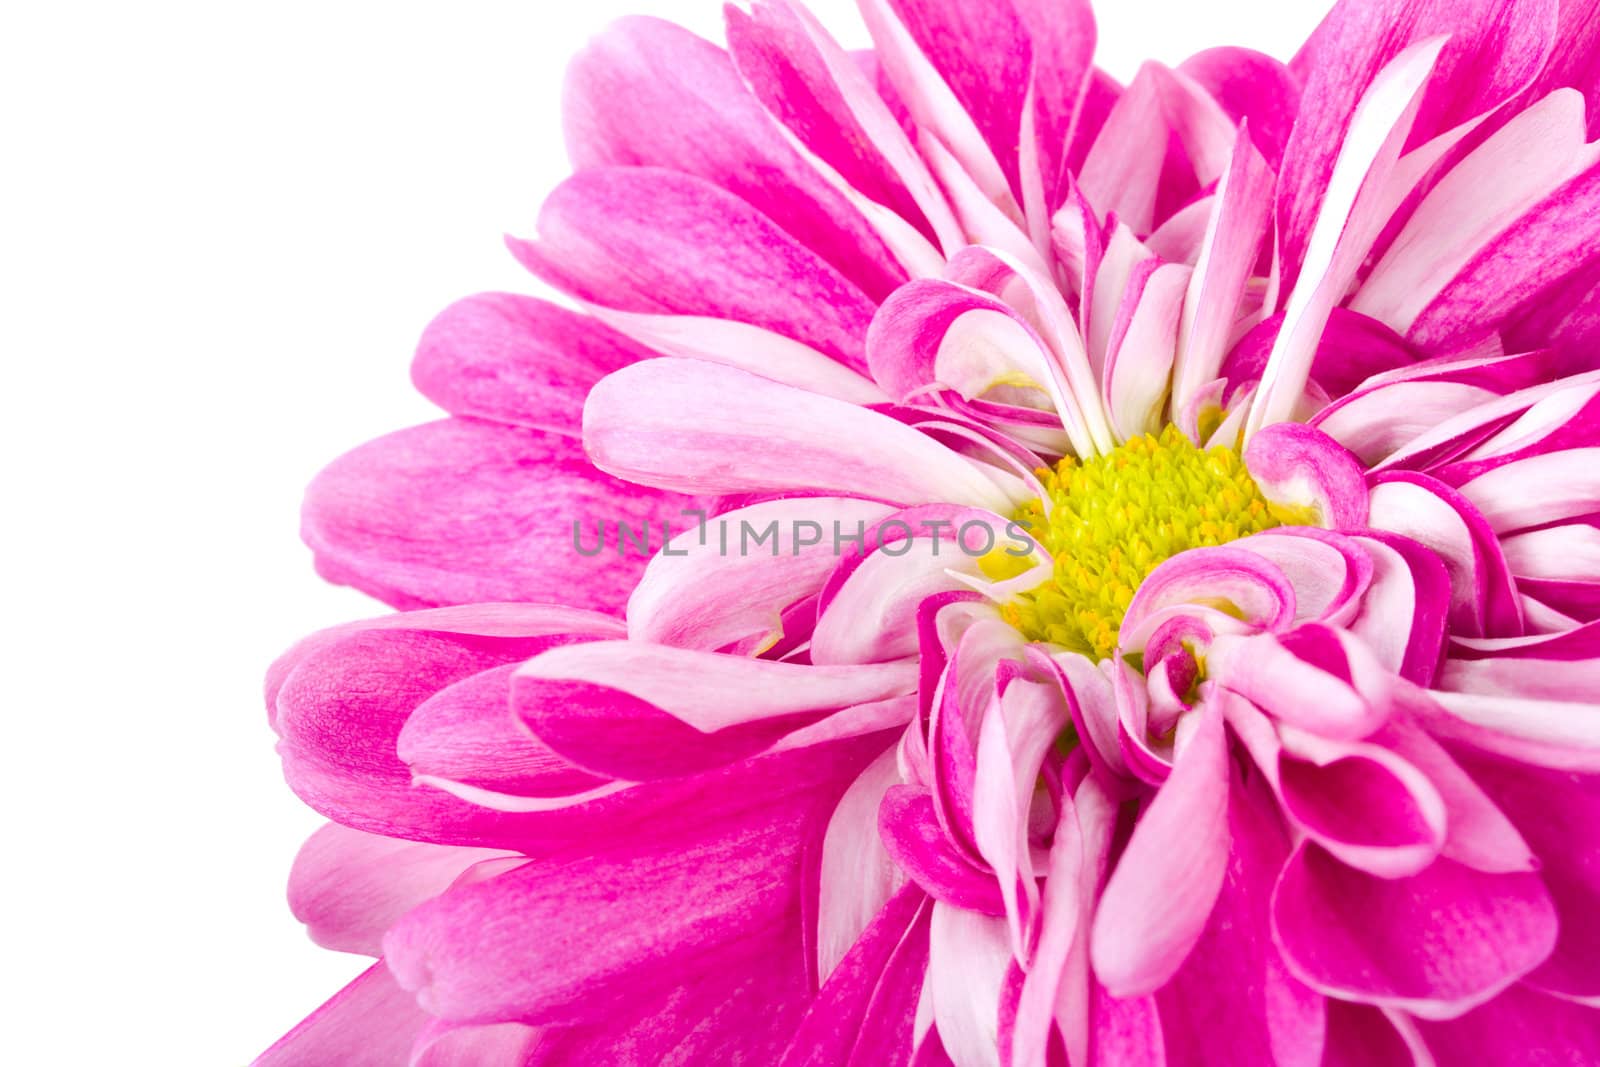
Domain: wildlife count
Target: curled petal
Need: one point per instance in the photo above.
(1297, 466)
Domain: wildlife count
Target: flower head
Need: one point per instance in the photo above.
(1171, 631)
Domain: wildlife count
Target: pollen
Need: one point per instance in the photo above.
(1112, 519)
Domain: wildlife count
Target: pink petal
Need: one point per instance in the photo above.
(1519, 1026)
(1557, 813)
(1435, 943)
(1539, 490)
(856, 873)
(340, 701)
(1159, 897)
(669, 422)
(1553, 238)
(1256, 591)
(462, 510)
(911, 61)
(1490, 58)
(1347, 191)
(1227, 260)
(967, 959)
(658, 242)
(1446, 522)
(707, 592)
(1366, 805)
(639, 712)
(1233, 992)
(1509, 173)
(649, 93)
(348, 887)
(742, 1015)
(1276, 671)
(515, 359)
(1013, 740)
(466, 733)
(371, 1022)
(1360, 1036)
(524, 946)
(920, 845)
(841, 1024)
(1252, 88)
(1298, 466)
(1142, 347)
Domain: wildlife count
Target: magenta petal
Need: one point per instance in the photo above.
(919, 844)
(340, 699)
(737, 1016)
(1252, 88)
(790, 75)
(1234, 982)
(841, 1024)
(1363, 803)
(1490, 58)
(462, 510)
(515, 359)
(1362, 1036)
(525, 945)
(1159, 896)
(1559, 814)
(648, 93)
(1521, 1026)
(1511, 273)
(1125, 1031)
(1435, 943)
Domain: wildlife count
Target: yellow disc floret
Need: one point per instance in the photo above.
(1112, 519)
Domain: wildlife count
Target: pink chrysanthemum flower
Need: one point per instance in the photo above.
(1147, 608)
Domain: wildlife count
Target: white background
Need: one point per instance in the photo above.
(224, 226)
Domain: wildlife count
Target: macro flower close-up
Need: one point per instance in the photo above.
(968, 561)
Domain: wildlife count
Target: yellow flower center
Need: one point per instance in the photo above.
(1114, 518)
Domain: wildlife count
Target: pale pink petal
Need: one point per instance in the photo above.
(715, 586)
(1142, 347)
(371, 1022)
(466, 733)
(686, 682)
(673, 422)
(1519, 165)
(1298, 466)
(1347, 221)
(348, 887)
(1491, 58)
(1227, 260)
(1160, 895)
(857, 875)
(967, 959)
